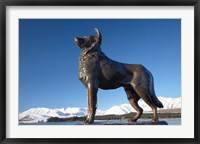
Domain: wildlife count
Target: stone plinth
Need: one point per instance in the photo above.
(141, 123)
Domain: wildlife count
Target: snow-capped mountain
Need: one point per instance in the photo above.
(168, 103)
(119, 110)
(42, 114)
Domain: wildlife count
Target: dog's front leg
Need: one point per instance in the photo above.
(92, 102)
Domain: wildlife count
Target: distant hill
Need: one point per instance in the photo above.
(178, 110)
(34, 115)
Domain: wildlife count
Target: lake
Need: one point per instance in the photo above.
(170, 121)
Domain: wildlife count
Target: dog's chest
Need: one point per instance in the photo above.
(82, 71)
(87, 67)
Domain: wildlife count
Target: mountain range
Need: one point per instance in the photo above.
(35, 115)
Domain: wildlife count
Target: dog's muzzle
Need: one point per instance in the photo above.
(78, 40)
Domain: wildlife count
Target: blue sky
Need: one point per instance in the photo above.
(48, 58)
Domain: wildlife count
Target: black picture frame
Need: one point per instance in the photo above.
(5, 3)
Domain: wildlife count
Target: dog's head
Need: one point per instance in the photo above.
(88, 42)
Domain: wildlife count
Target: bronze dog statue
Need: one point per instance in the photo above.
(96, 70)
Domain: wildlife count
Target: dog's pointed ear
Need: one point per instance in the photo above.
(99, 36)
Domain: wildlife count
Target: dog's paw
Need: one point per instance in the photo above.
(87, 121)
(132, 120)
(155, 120)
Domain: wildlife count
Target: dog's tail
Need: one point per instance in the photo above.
(154, 98)
(157, 102)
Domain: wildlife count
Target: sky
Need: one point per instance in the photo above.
(48, 58)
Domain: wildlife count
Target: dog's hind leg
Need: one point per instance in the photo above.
(144, 94)
(133, 100)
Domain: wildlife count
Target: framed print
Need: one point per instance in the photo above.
(99, 72)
